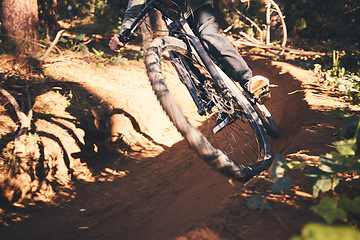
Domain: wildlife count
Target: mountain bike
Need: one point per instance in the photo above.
(242, 149)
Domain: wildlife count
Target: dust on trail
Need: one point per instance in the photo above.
(167, 191)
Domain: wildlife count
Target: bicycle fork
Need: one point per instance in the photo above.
(191, 79)
(188, 78)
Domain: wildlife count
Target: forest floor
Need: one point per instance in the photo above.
(116, 168)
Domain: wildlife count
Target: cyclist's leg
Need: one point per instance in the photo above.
(206, 27)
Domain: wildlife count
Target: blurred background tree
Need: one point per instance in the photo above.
(317, 25)
(48, 17)
(20, 21)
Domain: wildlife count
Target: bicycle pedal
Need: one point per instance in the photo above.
(262, 95)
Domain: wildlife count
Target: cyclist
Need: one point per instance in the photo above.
(201, 17)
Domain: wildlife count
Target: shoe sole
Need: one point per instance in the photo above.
(257, 87)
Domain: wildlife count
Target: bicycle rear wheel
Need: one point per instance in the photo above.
(241, 150)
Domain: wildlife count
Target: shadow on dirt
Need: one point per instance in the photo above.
(69, 139)
(175, 192)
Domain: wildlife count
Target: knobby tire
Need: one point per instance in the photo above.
(212, 155)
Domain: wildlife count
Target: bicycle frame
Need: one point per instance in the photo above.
(181, 29)
(245, 137)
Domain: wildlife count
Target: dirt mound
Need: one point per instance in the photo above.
(153, 186)
(68, 126)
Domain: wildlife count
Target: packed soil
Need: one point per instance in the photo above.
(114, 167)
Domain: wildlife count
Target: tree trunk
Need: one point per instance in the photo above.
(20, 21)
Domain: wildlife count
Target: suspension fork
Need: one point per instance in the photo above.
(186, 75)
(197, 51)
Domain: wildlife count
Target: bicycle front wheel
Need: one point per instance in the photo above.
(241, 150)
(267, 120)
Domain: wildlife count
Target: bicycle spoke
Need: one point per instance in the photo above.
(245, 149)
(236, 141)
(242, 133)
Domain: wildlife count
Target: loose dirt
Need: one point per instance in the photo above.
(120, 170)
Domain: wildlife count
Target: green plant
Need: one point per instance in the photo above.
(108, 15)
(349, 84)
(282, 182)
(99, 55)
(12, 161)
(329, 209)
(338, 169)
(34, 136)
(345, 82)
(69, 96)
(335, 179)
(316, 231)
(75, 44)
(340, 166)
(337, 70)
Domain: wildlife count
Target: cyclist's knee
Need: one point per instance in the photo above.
(214, 40)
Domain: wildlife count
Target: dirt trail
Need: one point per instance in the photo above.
(168, 191)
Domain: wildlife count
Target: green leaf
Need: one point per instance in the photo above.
(295, 165)
(322, 184)
(346, 147)
(63, 40)
(316, 231)
(322, 181)
(84, 48)
(350, 205)
(355, 167)
(356, 204)
(325, 183)
(313, 173)
(278, 168)
(342, 114)
(329, 165)
(258, 202)
(98, 54)
(328, 209)
(282, 184)
(80, 37)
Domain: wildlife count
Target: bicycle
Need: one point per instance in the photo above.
(242, 149)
